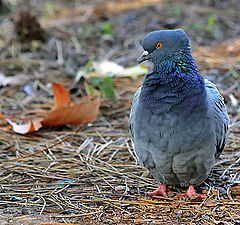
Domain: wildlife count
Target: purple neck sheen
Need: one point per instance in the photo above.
(173, 69)
(173, 82)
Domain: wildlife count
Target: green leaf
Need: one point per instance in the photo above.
(105, 85)
(88, 66)
(95, 81)
(106, 28)
(91, 89)
(211, 20)
(210, 25)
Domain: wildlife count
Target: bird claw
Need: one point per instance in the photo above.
(191, 193)
(161, 190)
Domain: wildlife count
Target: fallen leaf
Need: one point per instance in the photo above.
(5, 127)
(4, 119)
(84, 111)
(61, 95)
(30, 126)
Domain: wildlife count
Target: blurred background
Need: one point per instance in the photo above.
(71, 41)
(92, 47)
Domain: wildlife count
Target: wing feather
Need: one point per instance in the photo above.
(220, 116)
(133, 109)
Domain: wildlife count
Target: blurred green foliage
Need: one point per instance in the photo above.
(211, 21)
(88, 66)
(210, 25)
(104, 84)
(106, 28)
(198, 25)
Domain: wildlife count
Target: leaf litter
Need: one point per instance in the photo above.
(88, 173)
(85, 110)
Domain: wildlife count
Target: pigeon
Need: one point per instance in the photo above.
(178, 120)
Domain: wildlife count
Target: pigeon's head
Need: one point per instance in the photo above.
(162, 44)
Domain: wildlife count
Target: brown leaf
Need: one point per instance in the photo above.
(84, 111)
(6, 126)
(61, 95)
(4, 119)
(30, 126)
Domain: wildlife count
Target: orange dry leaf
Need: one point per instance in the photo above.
(29, 127)
(1, 115)
(61, 95)
(84, 111)
(5, 127)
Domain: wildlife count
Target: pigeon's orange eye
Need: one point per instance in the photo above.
(159, 45)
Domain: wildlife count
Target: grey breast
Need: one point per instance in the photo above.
(176, 149)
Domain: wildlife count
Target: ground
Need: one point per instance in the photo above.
(89, 174)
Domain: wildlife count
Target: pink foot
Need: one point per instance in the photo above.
(191, 193)
(161, 190)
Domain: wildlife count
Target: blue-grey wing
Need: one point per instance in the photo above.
(133, 111)
(220, 116)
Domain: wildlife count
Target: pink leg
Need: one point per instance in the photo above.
(191, 192)
(161, 190)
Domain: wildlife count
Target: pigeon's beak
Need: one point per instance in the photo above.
(143, 57)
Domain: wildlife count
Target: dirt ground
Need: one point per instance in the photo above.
(89, 174)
